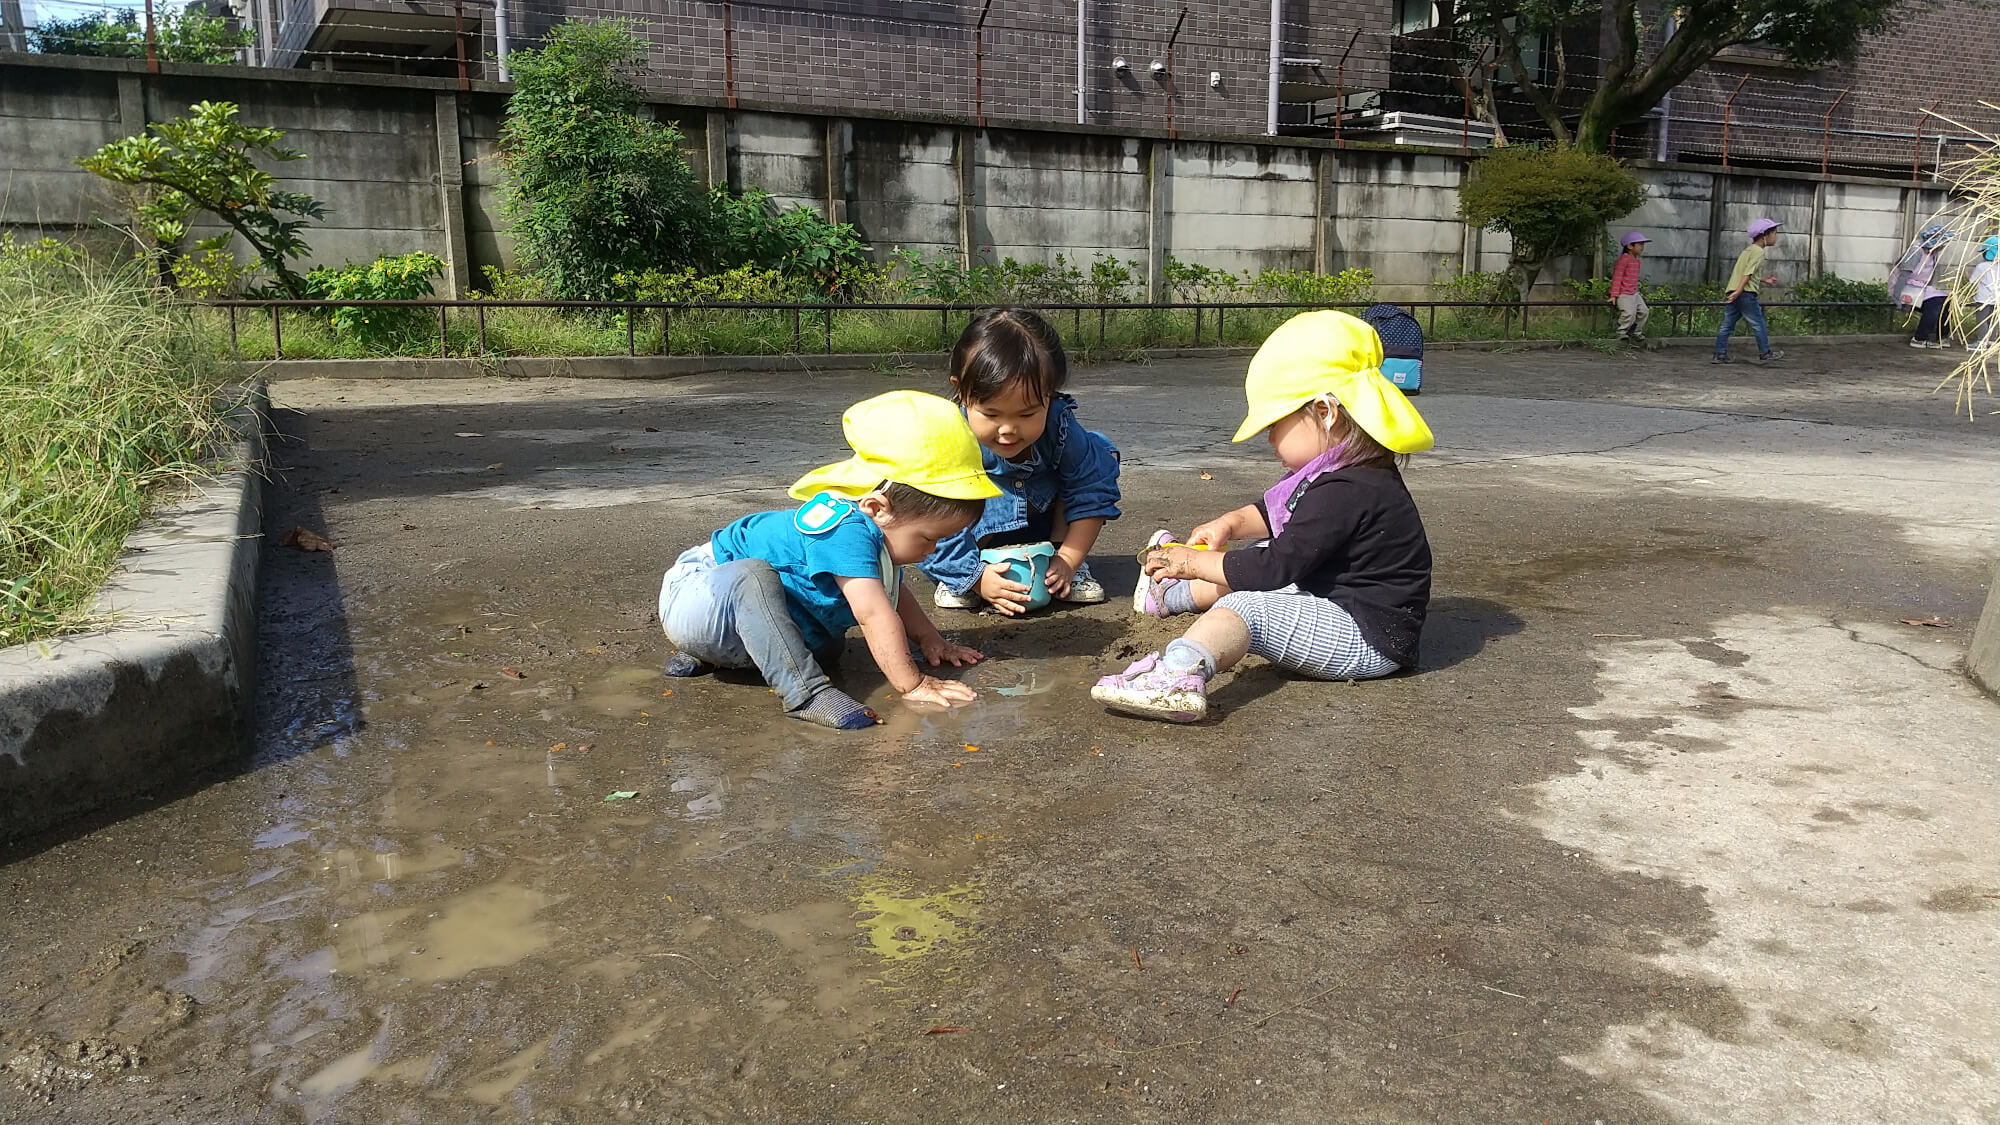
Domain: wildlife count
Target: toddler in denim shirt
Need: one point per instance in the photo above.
(1058, 481)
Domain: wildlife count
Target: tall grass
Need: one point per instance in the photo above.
(104, 406)
(1975, 210)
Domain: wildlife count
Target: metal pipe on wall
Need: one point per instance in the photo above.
(1666, 99)
(500, 36)
(1277, 50)
(1081, 51)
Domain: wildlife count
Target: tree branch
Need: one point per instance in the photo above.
(1507, 46)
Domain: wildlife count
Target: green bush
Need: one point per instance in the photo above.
(1483, 288)
(1827, 287)
(946, 279)
(1348, 287)
(1551, 200)
(799, 242)
(687, 285)
(209, 161)
(596, 187)
(405, 277)
(1191, 281)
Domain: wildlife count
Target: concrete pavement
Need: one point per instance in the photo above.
(1678, 822)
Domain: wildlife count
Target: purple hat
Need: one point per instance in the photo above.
(1634, 239)
(1761, 227)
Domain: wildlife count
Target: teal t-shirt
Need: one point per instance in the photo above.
(825, 538)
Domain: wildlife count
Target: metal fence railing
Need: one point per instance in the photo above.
(1513, 317)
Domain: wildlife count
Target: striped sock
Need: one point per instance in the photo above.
(835, 708)
(1179, 598)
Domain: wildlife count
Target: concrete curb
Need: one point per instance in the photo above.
(677, 367)
(95, 718)
(1982, 659)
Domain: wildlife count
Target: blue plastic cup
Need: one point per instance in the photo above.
(1027, 564)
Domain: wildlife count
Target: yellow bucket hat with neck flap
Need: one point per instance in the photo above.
(904, 437)
(1329, 352)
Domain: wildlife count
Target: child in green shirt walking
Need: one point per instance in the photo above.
(1740, 299)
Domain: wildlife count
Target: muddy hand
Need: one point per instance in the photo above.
(938, 651)
(1169, 562)
(1003, 595)
(942, 693)
(1059, 576)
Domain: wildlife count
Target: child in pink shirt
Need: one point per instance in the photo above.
(1632, 310)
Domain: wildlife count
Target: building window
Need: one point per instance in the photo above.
(1415, 15)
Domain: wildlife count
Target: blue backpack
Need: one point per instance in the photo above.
(1402, 346)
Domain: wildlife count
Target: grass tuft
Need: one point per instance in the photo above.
(105, 390)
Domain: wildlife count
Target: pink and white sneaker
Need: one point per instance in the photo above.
(1147, 689)
(1150, 596)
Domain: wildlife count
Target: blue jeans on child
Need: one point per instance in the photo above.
(733, 615)
(1746, 309)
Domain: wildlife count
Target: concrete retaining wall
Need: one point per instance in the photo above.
(412, 163)
(166, 693)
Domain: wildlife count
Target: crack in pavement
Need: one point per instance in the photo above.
(1733, 420)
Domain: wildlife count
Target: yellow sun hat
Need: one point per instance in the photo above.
(1329, 352)
(907, 437)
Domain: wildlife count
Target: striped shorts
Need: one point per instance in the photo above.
(1306, 633)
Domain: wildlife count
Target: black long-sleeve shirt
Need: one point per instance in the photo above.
(1354, 537)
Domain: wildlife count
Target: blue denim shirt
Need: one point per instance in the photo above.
(1067, 464)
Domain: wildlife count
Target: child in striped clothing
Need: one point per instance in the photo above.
(1338, 578)
(1632, 310)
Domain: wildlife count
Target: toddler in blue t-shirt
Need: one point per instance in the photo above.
(770, 589)
(1057, 482)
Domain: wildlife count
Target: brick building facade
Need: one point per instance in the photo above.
(1351, 59)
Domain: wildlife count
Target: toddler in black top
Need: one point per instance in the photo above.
(1338, 582)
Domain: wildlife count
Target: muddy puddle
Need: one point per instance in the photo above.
(490, 864)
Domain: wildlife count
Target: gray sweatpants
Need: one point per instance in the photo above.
(1306, 633)
(1632, 316)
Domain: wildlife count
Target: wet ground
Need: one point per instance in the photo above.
(1677, 822)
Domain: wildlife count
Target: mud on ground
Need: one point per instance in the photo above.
(1677, 821)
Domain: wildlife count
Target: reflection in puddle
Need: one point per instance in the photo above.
(624, 691)
(901, 924)
(503, 1079)
(483, 929)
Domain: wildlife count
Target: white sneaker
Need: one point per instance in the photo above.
(1084, 589)
(1146, 596)
(945, 599)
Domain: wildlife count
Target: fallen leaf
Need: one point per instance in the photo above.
(304, 540)
(1136, 961)
(559, 746)
(584, 747)
(666, 692)
(945, 1030)
(489, 742)
(652, 429)
(496, 464)
(971, 749)
(621, 795)
(461, 654)
(513, 673)
(1933, 622)
(1206, 475)
(409, 527)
